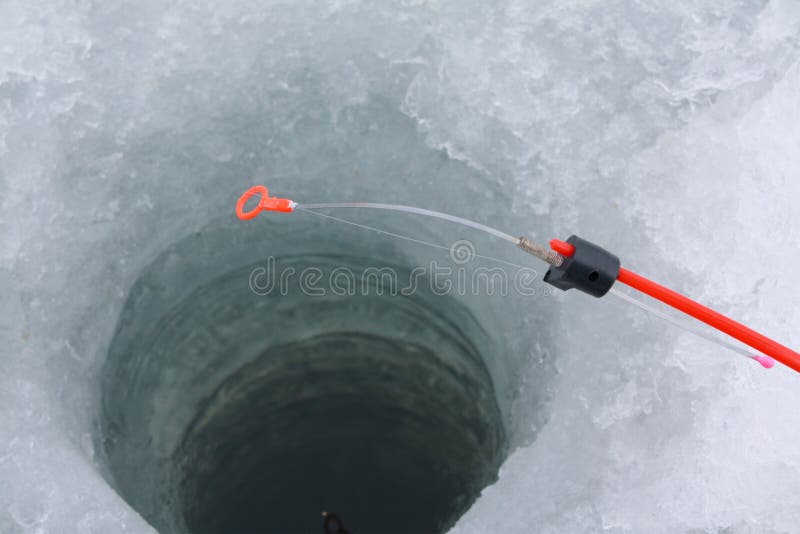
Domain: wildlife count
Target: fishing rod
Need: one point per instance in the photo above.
(574, 263)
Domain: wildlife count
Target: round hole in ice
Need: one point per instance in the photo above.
(233, 402)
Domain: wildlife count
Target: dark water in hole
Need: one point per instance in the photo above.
(228, 411)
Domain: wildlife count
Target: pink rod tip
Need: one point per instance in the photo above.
(765, 361)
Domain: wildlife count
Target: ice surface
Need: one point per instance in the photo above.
(667, 132)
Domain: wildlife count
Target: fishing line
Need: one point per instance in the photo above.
(307, 209)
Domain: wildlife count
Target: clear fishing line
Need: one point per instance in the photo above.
(418, 211)
(305, 208)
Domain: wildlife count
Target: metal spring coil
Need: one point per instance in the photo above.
(553, 258)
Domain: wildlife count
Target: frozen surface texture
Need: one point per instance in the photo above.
(667, 131)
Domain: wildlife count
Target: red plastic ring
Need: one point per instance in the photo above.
(255, 190)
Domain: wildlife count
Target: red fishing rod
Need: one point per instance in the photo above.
(725, 324)
(574, 263)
